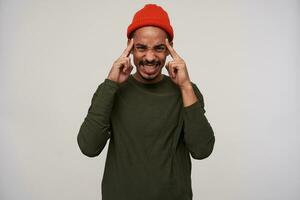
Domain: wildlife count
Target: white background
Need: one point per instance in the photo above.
(243, 56)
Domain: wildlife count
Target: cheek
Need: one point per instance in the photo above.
(162, 59)
(136, 61)
(136, 58)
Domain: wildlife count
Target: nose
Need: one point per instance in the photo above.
(150, 56)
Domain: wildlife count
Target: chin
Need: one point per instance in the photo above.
(149, 77)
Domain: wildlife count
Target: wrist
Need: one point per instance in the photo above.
(186, 86)
(110, 77)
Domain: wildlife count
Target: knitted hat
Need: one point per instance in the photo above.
(151, 15)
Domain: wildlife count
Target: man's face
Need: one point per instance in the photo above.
(149, 53)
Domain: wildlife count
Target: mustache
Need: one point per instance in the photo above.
(146, 62)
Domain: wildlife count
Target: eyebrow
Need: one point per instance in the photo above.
(143, 45)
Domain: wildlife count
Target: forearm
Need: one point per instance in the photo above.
(198, 134)
(94, 131)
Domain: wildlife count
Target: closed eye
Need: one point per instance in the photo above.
(140, 48)
(160, 48)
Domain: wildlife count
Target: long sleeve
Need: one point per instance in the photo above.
(198, 134)
(95, 129)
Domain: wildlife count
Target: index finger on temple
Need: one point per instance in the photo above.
(128, 49)
(171, 49)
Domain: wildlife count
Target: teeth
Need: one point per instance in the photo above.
(150, 65)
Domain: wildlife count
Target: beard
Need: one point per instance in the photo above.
(148, 78)
(149, 66)
(154, 63)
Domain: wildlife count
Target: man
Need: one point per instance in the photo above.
(154, 121)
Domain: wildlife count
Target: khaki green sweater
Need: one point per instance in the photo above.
(151, 137)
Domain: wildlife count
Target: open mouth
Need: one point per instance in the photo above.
(149, 69)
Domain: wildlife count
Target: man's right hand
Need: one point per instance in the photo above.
(122, 67)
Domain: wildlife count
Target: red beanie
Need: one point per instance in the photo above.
(151, 15)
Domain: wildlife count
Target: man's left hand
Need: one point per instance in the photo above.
(177, 68)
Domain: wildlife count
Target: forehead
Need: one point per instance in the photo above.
(150, 35)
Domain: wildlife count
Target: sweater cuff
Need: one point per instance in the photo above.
(108, 86)
(111, 83)
(194, 106)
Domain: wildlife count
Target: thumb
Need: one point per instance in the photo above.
(130, 62)
(168, 67)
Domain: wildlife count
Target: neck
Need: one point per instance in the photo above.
(139, 78)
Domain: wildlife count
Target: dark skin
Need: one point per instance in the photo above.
(150, 48)
(149, 52)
